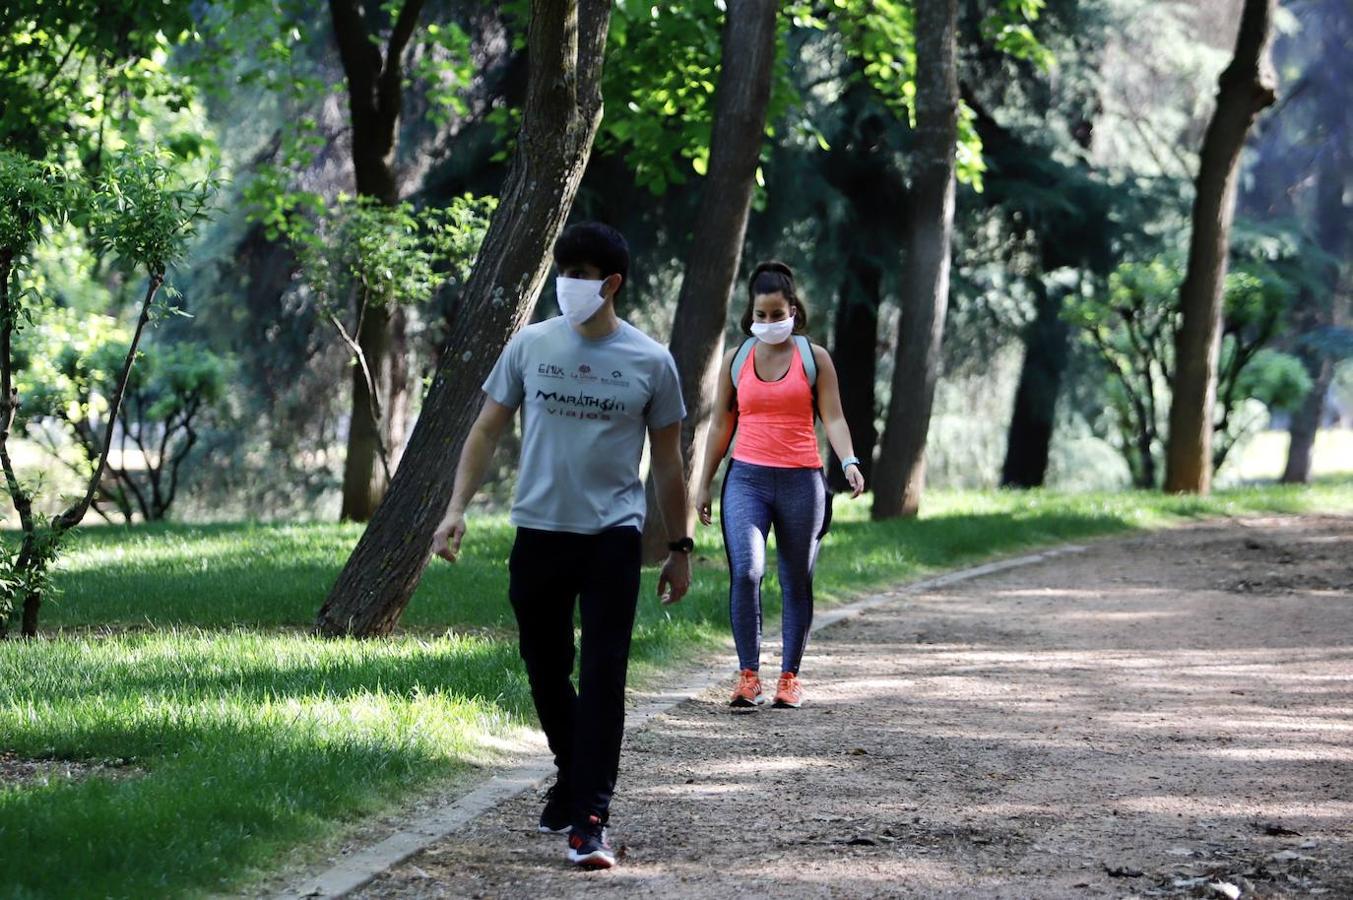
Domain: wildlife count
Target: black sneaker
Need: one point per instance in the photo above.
(555, 818)
(588, 846)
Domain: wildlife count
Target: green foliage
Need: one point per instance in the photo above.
(446, 68)
(388, 255)
(68, 362)
(1276, 379)
(26, 565)
(659, 80)
(70, 365)
(1131, 328)
(32, 194)
(174, 378)
(141, 213)
(144, 215)
(1009, 30)
(73, 76)
(880, 35)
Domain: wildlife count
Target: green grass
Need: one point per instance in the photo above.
(177, 654)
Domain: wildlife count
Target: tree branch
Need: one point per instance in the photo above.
(190, 411)
(72, 516)
(373, 401)
(9, 397)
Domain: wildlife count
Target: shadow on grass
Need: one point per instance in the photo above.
(244, 745)
(191, 670)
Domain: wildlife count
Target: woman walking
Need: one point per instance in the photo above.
(770, 389)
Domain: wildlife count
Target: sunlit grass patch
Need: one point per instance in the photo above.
(248, 742)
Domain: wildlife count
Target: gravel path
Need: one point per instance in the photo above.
(1166, 715)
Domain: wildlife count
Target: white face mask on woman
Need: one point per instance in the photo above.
(773, 332)
(579, 298)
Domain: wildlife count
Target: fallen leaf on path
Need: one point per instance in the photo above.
(1225, 888)
(1273, 829)
(1123, 871)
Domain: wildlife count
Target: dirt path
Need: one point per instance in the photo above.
(1167, 715)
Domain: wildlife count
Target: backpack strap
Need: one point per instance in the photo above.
(740, 359)
(809, 363)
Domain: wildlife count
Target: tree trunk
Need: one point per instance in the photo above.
(860, 167)
(1244, 89)
(375, 101)
(1306, 419)
(363, 475)
(716, 247)
(1047, 345)
(899, 476)
(565, 43)
(855, 355)
(1332, 227)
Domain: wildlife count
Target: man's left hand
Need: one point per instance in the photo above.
(675, 579)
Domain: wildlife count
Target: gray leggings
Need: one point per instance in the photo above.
(794, 502)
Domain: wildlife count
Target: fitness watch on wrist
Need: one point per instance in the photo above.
(849, 461)
(685, 545)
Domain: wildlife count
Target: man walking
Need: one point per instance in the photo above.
(589, 386)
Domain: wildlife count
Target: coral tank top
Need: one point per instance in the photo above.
(775, 418)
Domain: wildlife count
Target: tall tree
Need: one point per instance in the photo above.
(899, 476)
(375, 77)
(1047, 350)
(741, 101)
(860, 166)
(1319, 313)
(1324, 92)
(563, 108)
(1245, 88)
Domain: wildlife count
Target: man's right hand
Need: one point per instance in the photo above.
(446, 539)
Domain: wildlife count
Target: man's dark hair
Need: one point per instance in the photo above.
(595, 244)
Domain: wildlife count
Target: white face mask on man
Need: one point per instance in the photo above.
(579, 298)
(773, 332)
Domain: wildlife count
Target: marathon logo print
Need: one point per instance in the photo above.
(580, 406)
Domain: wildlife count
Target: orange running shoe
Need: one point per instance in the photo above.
(748, 691)
(789, 692)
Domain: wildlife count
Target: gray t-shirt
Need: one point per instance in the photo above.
(586, 406)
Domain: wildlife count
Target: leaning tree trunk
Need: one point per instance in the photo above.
(565, 43)
(375, 101)
(1047, 347)
(716, 247)
(899, 476)
(1244, 89)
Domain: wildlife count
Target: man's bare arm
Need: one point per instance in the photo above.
(665, 446)
(475, 455)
